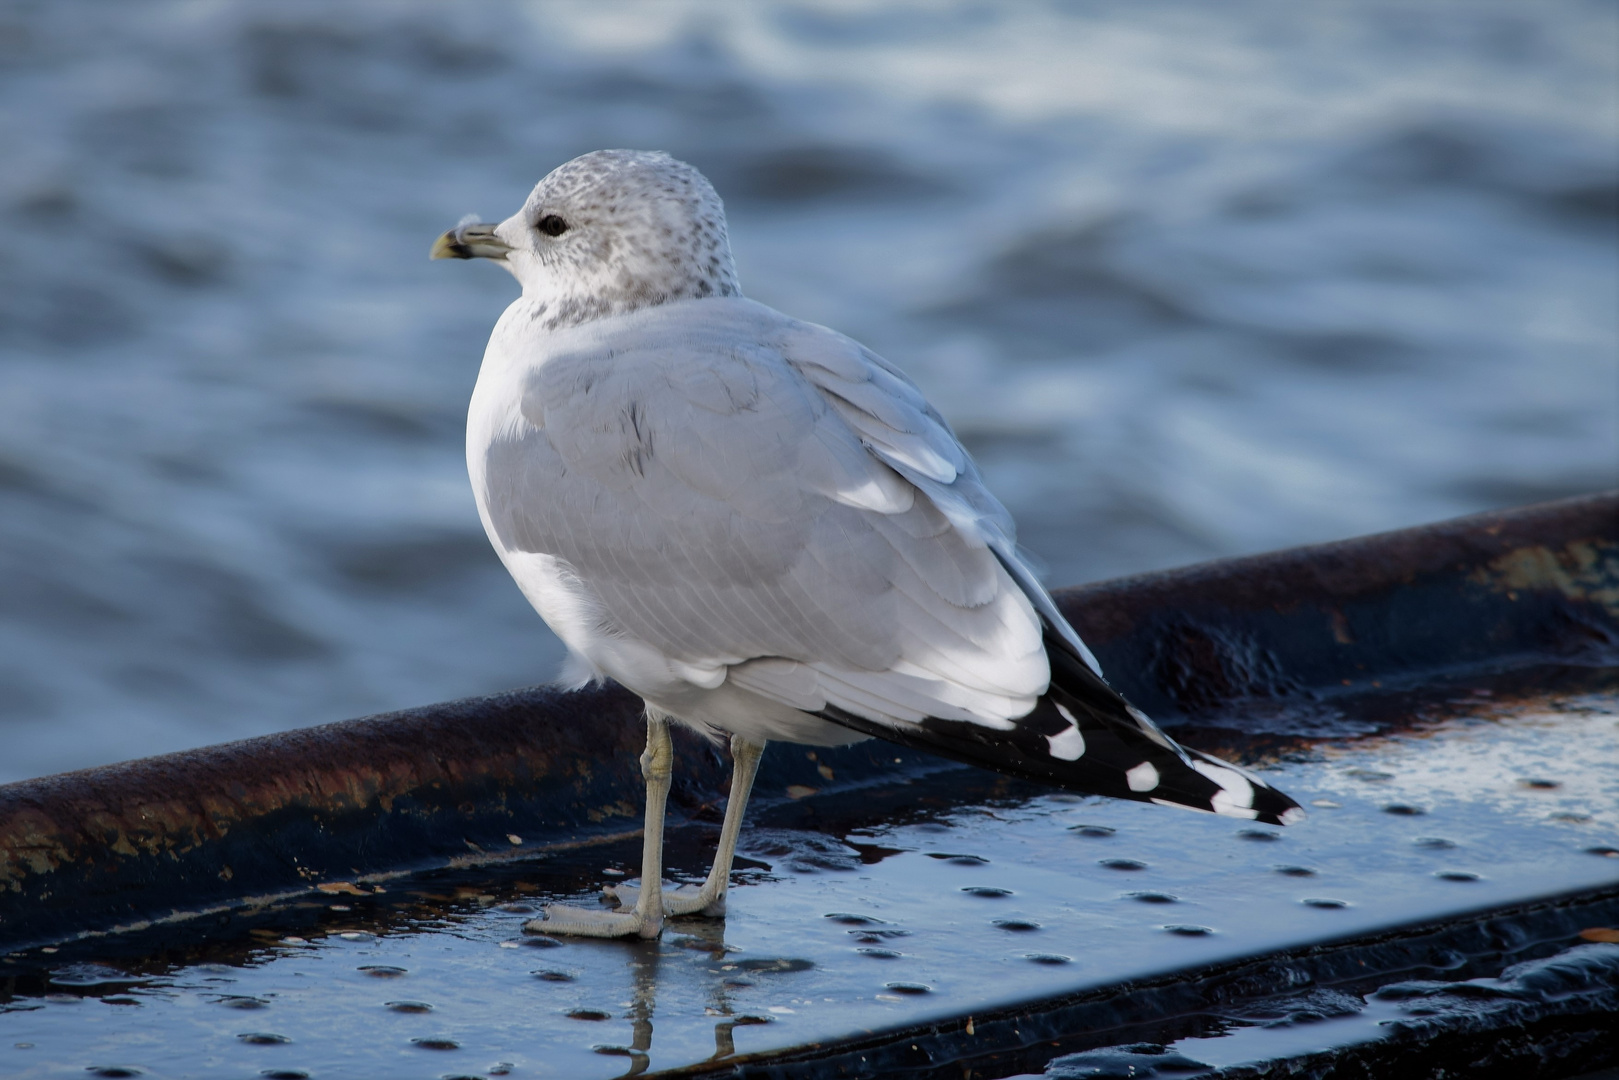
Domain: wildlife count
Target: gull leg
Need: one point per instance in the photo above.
(709, 899)
(646, 919)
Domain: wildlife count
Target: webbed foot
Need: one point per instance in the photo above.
(685, 900)
(583, 922)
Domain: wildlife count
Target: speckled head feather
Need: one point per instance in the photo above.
(618, 230)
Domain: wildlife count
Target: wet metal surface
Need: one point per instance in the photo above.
(348, 900)
(951, 911)
(1546, 1017)
(1239, 652)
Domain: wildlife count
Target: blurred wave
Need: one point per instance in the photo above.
(1190, 281)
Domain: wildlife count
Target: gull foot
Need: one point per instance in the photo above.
(685, 900)
(581, 922)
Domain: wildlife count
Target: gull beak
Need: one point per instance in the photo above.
(474, 241)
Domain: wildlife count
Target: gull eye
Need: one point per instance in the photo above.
(551, 225)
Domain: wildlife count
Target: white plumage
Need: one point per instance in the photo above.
(762, 527)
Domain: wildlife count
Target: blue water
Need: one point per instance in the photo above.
(1191, 281)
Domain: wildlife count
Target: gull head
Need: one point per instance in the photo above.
(607, 233)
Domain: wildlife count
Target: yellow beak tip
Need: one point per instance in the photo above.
(443, 247)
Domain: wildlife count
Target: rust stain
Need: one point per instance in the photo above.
(618, 809)
(1340, 629)
(1582, 570)
(347, 888)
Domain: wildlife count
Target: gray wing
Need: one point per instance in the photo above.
(764, 498)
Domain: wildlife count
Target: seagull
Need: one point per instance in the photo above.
(764, 529)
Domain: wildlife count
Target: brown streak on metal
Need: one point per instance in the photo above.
(1280, 581)
(165, 807)
(1207, 638)
(1580, 571)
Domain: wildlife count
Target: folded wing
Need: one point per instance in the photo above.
(765, 502)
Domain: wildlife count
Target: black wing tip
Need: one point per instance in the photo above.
(1083, 736)
(1272, 807)
(1092, 746)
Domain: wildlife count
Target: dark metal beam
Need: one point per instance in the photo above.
(173, 835)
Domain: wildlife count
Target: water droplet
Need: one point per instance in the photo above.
(589, 1014)
(91, 976)
(554, 976)
(540, 941)
(1047, 958)
(1123, 864)
(241, 1001)
(879, 954)
(437, 1043)
(774, 965)
(1404, 810)
(851, 919)
(263, 1038)
(1324, 902)
(1296, 871)
(1092, 830)
(909, 988)
(1017, 925)
(383, 971)
(1456, 875)
(1187, 930)
(410, 1006)
(985, 890)
(1152, 897)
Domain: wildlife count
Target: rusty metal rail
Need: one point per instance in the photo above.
(1208, 647)
(1479, 655)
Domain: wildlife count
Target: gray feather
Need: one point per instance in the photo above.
(790, 499)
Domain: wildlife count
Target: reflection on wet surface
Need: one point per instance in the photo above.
(973, 905)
